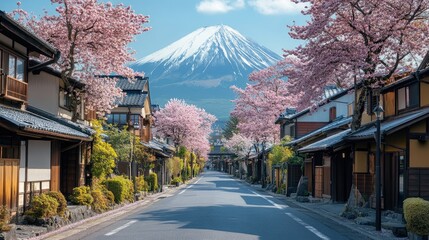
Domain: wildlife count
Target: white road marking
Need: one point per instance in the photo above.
(271, 202)
(310, 228)
(184, 190)
(121, 228)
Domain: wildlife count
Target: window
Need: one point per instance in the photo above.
(371, 102)
(117, 118)
(16, 67)
(65, 99)
(9, 152)
(292, 131)
(408, 97)
(332, 113)
(135, 119)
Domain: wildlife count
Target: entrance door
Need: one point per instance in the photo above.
(394, 168)
(69, 171)
(343, 176)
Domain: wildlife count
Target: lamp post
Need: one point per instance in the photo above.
(133, 170)
(378, 110)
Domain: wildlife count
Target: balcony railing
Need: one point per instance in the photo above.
(14, 89)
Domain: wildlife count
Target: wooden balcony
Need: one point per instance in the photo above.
(14, 89)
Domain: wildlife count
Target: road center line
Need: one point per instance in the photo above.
(184, 190)
(271, 202)
(310, 228)
(121, 228)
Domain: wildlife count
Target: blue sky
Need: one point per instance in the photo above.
(264, 21)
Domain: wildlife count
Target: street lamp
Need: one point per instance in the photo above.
(378, 110)
(133, 168)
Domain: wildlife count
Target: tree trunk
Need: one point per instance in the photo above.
(192, 165)
(359, 108)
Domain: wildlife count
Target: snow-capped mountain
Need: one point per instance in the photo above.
(208, 60)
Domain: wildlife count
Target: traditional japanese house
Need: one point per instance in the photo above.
(333, 116)
(404, 145)
(134, 112)
(40, 150)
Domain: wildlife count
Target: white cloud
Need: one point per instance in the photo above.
(272, 7)
(219, 6)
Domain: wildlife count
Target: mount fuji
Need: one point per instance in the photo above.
(201, 67)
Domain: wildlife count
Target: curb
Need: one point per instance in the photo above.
(326, 214)
(113, 213)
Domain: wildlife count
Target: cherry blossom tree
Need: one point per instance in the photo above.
(356, 40)
(93, 38)
(260, 103)
(239, 145)
(186, 125)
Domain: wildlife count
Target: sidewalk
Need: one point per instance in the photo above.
(37, 233)
(333, 212)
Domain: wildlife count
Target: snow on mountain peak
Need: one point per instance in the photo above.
(220, 39)
(201, 66)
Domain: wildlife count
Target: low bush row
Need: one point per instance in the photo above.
(47, 205)
(101, 197)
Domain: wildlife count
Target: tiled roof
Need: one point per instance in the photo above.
(331, 126)
(43, 46)
(137, 84)
(160, 147)
(75, 125)
(28, 121)
(330, 93)
(391, 125)
(325, 143)
(133, 99)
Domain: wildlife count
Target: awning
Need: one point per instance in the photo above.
(390, 126)
(28, 123)
(326, 143)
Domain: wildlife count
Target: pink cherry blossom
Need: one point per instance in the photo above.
(93, 38)
(348, 41)
(260, 104)
(186, 125)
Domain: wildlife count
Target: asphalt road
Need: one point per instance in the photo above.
(218, 207)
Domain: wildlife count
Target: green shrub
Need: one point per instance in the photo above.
(121, 188)
(4, 219)
(62, 202)
(109, 196)
(100, 203)
(98, 185)
(43, 206)
(82, 196)
(152, 181)
(281, 189)
(176, 180)
(142, 185)
(416, 214)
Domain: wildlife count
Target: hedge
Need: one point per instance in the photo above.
(82, 196)
(62, 202)
(121, 188)
(43, 206)
(152, 181)
(416, 214)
